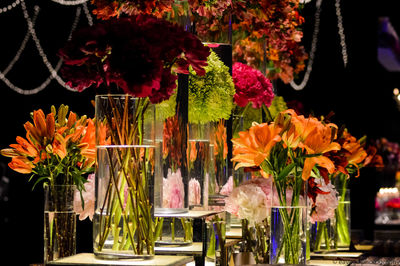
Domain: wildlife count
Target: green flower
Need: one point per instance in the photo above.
(210, 96)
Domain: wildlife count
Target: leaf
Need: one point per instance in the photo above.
(39, 180)
(286, 171)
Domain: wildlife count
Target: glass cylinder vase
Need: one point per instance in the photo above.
(59, 222)
(123, 219)
(322, 236)
(199, 165)
(288, 235)
(343, 220)
(215, 241)
(256, 240)
(173, 231)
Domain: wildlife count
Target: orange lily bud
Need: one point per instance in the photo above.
(71, 119)
(40, 122)
(9, 152)
(33, 131)
(50, 125)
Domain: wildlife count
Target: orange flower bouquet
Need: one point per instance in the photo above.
(58, 151)
(291, 150)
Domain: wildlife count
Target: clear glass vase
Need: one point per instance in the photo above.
(199, 165)
(173, 231)
(322, 236)
(124, 214)
(288, 235)
(256, 240)
(343, 220)
(215, 241)
(59, 222)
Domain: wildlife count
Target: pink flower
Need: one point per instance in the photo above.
(89, 199)
(325, 204)
(173, 190)
(194, 192)
(251, 86)
(228, 187)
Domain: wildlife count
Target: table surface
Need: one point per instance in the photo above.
(90, 259)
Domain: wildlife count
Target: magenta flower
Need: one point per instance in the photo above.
(173, 190)
(251, 86)
(88, 197)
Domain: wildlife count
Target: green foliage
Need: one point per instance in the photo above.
(278, 105)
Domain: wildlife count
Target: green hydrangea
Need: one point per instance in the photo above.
(210, 96)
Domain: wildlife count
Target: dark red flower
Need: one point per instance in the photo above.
(141, 54)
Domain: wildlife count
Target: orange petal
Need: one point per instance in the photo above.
(21, 165)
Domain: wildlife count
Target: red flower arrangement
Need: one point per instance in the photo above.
(251, 86)
(140, 54)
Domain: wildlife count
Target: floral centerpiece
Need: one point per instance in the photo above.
(291, 149)
(58, 151)
(128, 53)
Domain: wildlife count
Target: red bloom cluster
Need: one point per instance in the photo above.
(251, 86)
(136, 53)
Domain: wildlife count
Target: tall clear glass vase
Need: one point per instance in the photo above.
(343, 220)
(199, 165)
(124, 214)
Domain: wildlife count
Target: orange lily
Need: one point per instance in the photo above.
(60, 146)
(319, 142)
(192, 152)
(24, 147)
(21, 165)
(220, 140)
(89, 139)
(254, 145)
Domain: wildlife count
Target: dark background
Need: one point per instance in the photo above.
(360, 95)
